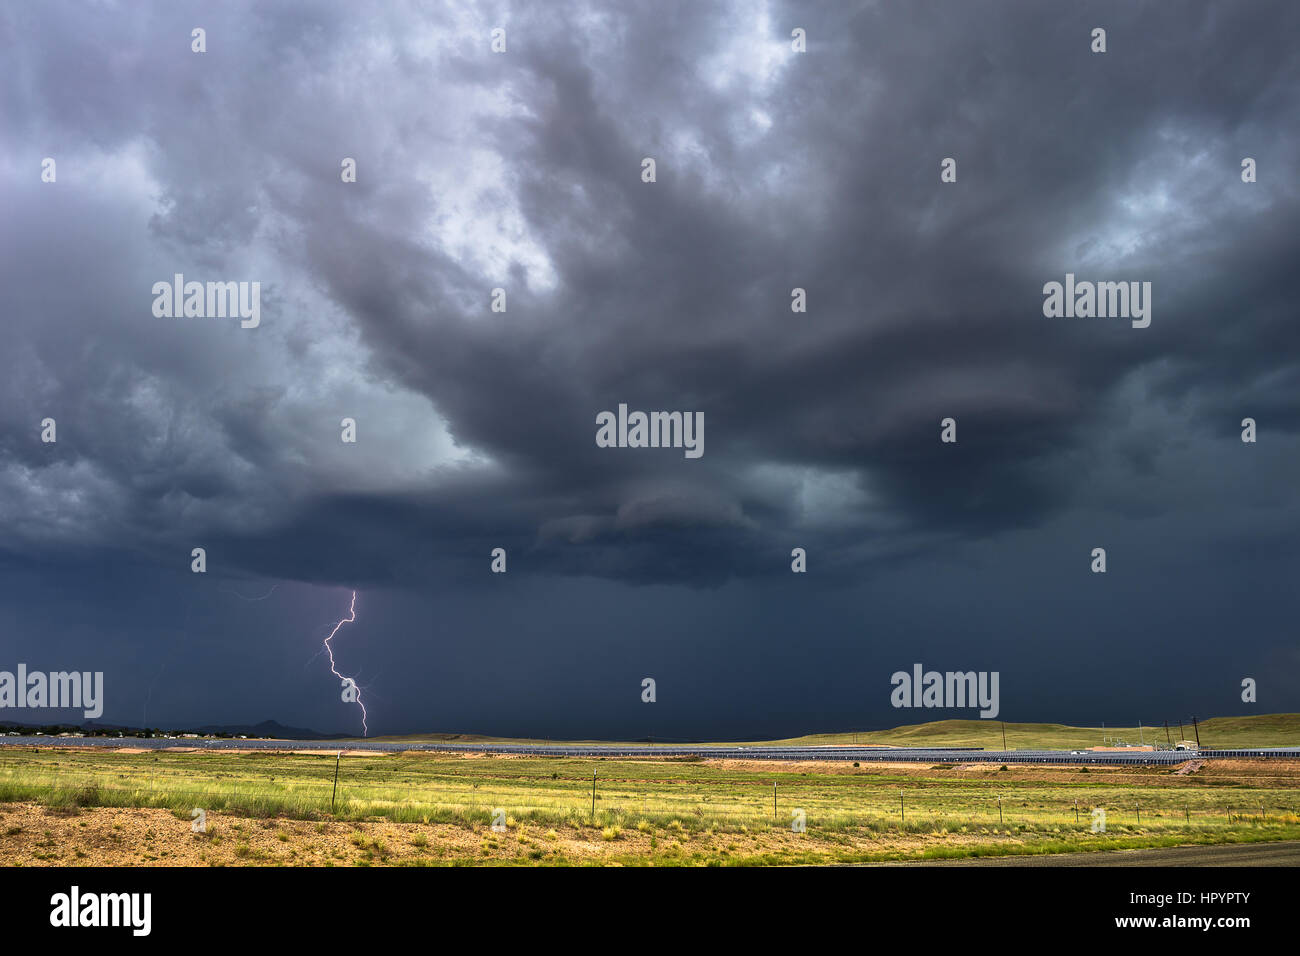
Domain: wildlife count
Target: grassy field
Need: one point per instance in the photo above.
(67, 805)
(1267, 730)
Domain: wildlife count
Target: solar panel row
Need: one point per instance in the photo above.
(872, 754)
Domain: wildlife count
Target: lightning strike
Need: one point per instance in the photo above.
(352, 616)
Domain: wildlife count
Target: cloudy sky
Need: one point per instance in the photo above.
(775, 169)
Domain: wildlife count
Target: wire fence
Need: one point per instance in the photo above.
(361, 792)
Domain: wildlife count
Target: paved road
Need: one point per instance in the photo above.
(1284, 853)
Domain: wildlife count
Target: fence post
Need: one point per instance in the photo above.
(337, 758)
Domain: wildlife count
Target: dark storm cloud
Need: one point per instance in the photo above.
(775, 171)
(522, 170)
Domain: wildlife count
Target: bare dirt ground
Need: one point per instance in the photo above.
(32, 835)
(106, 836)
(233, 750)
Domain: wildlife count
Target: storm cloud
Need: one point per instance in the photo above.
(775, 170)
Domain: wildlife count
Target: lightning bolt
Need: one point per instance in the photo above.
(352, 616)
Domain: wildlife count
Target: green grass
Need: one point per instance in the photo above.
(677, 796)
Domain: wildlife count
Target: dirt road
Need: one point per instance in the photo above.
(1284, 853)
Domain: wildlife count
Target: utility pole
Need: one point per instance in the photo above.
(1196, 728)
(1167, 740)
(1004, 734)
(1141, 741)
(1182, 734)
(593, 795)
